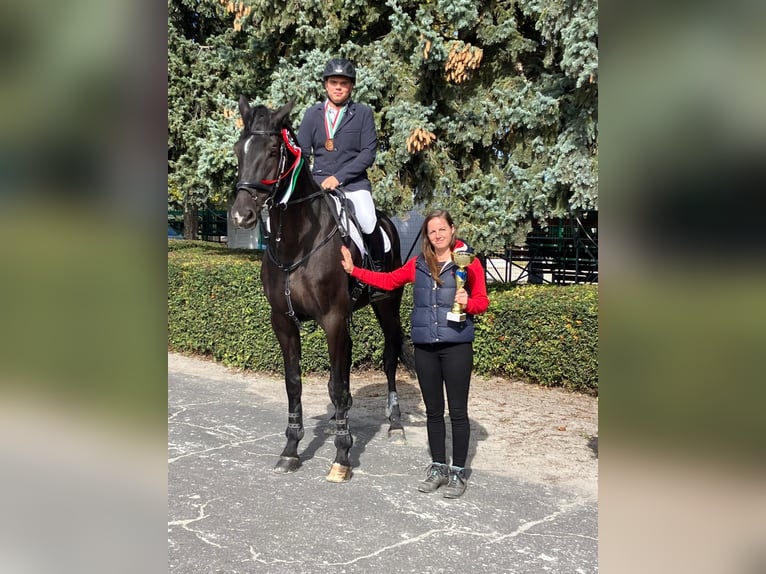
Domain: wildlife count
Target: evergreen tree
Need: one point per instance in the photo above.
(207, 62)
(488, 109)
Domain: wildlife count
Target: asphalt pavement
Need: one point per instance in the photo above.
(228, 512)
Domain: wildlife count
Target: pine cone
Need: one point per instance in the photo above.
(461, 60)
(419, 140)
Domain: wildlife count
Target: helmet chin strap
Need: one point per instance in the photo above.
(339, 104)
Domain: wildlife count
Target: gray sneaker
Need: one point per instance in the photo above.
(455, 484)
(436, 475)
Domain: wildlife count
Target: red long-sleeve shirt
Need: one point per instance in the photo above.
(476, 285)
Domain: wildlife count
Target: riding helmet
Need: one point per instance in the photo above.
(339, 67)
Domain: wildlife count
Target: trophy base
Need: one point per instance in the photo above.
(456, 317)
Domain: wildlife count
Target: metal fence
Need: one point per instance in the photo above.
(212, 224)
(564, 251)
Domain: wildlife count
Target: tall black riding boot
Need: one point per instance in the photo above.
(376, 250)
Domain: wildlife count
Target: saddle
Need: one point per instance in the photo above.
(349, 225)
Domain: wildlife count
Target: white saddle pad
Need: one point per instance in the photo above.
(356, 235)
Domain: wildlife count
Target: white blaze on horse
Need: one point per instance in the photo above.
(302, 276)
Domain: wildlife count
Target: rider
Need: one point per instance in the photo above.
(341, 135)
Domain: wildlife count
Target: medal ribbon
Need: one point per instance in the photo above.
(330, 128)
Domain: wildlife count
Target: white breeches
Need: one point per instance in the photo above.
(365, 209)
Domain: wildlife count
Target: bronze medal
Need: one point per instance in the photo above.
(329, 145)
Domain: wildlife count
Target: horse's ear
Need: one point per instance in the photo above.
(282, 115)
(244, 107)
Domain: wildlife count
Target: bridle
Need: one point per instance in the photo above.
(272, 186)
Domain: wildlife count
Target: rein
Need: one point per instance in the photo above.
(292, 267)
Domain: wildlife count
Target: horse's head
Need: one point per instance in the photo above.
(261, 158)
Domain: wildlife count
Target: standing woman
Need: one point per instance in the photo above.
(443, 349)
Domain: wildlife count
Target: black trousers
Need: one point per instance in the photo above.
(439, 367)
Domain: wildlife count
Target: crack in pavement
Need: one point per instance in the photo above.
(223, 446)
(576, 503)
(184, 523)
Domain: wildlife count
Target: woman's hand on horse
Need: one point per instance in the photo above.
(347, 262)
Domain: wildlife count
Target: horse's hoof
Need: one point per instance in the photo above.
(287, 464)
(339, 473)
(396, 436)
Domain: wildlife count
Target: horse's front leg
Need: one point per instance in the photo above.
(289, 339)
(339, 346)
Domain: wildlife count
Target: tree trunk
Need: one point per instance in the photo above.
(191, 222)
(535, 273)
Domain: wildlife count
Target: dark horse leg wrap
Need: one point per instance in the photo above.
(343, 438)
(289, 461)
(294, 426)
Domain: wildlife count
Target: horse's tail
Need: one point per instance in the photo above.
(406, 355)
(394, 259)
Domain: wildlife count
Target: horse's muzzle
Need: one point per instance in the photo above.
(243, 220)
(246, 207)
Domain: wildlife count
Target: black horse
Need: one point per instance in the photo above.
(302, 276)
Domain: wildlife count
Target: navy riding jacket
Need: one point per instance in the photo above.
(355, 144)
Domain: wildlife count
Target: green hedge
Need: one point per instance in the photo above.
(544, 334)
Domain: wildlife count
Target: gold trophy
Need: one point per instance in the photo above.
(462, 259)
